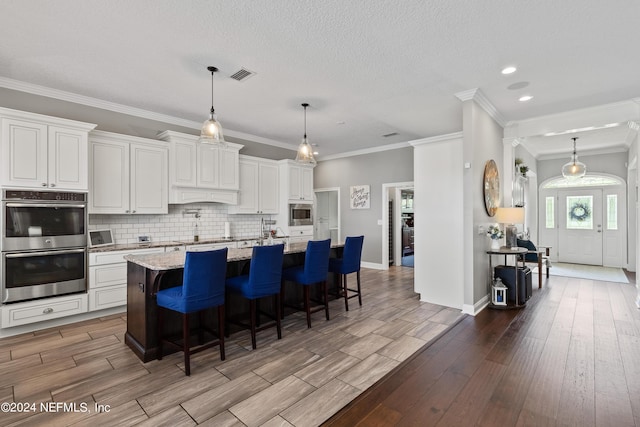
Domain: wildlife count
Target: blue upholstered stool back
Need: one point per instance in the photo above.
(203, 283)
(316, 261)
(265, 272)
(351, 256)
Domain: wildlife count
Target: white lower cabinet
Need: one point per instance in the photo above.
(108, 277)
(300, 234)
(23, 313)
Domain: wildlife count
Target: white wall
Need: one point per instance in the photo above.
(483, 140)
(373, 169)
(438, 233)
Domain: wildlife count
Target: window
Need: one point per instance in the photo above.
(579, 212)
(612, 212)
(586, 181)
(549, 210)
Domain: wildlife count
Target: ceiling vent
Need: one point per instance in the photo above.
(390, 134)
(242, 74)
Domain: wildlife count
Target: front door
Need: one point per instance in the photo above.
(580, 226)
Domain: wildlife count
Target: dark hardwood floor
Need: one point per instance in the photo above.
(570, 358)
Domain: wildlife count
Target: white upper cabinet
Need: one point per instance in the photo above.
(298, 179)
(201, 172)
(129, 175)
(258, 187)
(43, 152)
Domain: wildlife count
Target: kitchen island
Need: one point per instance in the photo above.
(146, 274)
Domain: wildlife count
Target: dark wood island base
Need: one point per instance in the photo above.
(146, 274)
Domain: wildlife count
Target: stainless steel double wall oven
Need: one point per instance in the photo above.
(43, 244)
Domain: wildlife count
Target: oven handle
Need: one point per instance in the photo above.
(37, 253)
(42, 205)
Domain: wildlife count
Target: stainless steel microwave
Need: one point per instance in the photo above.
(300, 214)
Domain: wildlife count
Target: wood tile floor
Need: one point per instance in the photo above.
(300, 380)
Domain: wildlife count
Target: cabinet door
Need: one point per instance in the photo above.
(68, 157)
(24, 154)
(149, 192)
(208, 166)
(306, 184)
(184, 156)
(249, 192)
(295, 177)
(109, 178)
(268, 184)
(229, 169)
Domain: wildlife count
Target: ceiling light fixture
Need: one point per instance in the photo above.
(574, 169)
(525, 98)
(211, 132)
(305, 152)
(509, 70)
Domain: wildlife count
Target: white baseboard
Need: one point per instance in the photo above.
(373, 265)
(32, 327)
(477, 307)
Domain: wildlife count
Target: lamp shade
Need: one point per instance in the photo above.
(510, 215)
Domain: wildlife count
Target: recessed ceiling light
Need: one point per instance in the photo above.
(509, 70)
(340, 122)
(525, 98)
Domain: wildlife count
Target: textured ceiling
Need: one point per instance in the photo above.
(367, 67)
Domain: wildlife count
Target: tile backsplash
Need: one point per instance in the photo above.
(178, 225)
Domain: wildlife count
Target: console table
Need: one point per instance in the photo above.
(519, 254)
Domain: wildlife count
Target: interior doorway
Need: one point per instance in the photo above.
(392, 222)
(326, 224)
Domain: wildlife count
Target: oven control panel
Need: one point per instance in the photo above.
(53, 196)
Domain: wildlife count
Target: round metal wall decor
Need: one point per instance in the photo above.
(491, 187)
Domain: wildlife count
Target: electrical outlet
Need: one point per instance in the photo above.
(481, 229)
(143, 239)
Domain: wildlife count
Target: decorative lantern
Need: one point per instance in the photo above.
(499, 293)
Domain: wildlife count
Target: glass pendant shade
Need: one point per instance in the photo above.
(305, 152)
(574, 169)
(211, 132)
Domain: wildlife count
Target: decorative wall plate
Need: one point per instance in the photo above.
(491, 187)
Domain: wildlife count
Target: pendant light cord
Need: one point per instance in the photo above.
(305, 120)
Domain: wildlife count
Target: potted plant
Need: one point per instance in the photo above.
(495, 234)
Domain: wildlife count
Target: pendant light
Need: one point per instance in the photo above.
(211, 129)
(305, 152)
(574, 169)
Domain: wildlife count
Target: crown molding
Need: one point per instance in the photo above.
(479, 97)
(438, 138)
(130, 111)
(354, 153)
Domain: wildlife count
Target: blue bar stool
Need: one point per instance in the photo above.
(314, 270)
(202, 288)
(349, 263)
(263, 280)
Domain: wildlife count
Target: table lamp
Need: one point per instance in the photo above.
(510, 217)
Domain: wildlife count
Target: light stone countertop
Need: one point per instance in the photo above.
(175, 260)
(133, 246)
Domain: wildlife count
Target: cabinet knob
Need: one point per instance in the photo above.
(133, 211)
(44, 184)
(127, 211)
(47, 310)
(52, 185)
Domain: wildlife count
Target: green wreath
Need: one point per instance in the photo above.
(579, 212)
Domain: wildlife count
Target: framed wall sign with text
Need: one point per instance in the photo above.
(359, 197)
